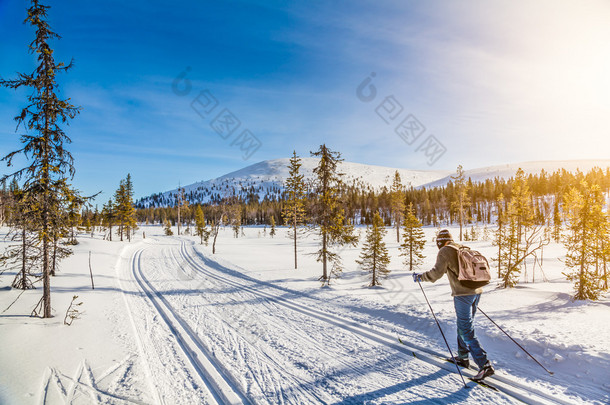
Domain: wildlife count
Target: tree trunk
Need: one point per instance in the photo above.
(54, 256)
(46, 181)
(374, 283)
(324, 271)
(295, 238)
(217, 228)
(24, 257)
(398, 229)
(461, 215)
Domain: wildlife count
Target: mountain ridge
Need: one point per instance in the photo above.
(265, 179)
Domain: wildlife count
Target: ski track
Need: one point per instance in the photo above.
(168, 375)
(266, 348)
(210, 372)
(509, 386)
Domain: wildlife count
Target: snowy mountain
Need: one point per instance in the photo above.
(265, 179)
(508, 170)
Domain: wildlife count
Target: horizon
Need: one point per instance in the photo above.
(583, 165)
(415, 86)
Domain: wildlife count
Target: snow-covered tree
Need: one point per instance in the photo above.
(294, 205)
(414, 240)
(328, 213)
(374, 257)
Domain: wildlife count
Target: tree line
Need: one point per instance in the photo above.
(524, 213)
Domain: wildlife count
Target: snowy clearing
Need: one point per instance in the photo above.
(170, 323)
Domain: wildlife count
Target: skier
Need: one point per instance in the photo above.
(465, 301)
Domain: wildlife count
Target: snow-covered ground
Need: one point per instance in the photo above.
(168, 322)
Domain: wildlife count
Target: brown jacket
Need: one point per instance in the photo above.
(447, 262)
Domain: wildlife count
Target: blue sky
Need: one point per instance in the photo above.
(492, 82)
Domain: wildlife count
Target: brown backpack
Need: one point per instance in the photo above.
(473, 267)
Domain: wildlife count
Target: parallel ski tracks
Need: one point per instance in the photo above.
(214, 376)
(503, 384)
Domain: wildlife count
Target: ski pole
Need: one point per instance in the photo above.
(442, 333)
(517, 343)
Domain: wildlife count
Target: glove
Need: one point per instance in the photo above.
(417, 277)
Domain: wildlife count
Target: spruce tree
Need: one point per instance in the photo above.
(522, 237)
(125, 212)
(235, 216)
(108, 217)
(294, 205)
(272, 231)
(168, 228)
(201, 229)
(328, 213)
(398, 203)
(500, 234)
(462, 200)
(556, 233)
(44, 145)
(23, 254)
(73, 217)
(181, 205)
(414, 240)
(128, 209)
(586, 224)
(374, 257)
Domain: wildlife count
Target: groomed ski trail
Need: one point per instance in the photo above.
(504, 384)
(264, 348)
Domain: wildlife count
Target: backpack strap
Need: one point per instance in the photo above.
(457, 248)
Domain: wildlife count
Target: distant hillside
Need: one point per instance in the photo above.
(508, 170)
(265, 179)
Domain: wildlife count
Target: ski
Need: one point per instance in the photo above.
(480, 382)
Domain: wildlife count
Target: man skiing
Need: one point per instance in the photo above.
(465, 300)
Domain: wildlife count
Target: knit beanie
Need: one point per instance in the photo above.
(442, 237)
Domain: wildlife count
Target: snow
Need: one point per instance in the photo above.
(267, 177)
(168, 322)
(507, 171)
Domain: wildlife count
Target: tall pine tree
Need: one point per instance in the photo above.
(201, 229)
(44, 145)
(414, 240)
(586, 224)
(328, 213)
(398, 203)
(374, 257)
(125, 210)
(294, 205)
(462, 200)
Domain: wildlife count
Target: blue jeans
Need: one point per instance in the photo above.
(465, 308)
